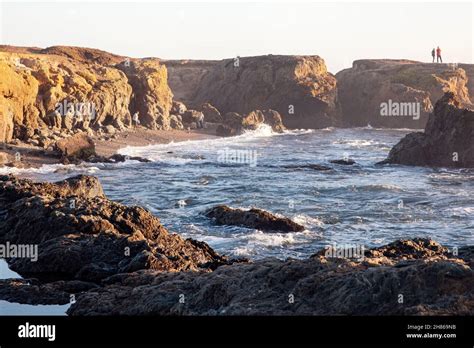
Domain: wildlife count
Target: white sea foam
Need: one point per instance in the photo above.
(51, 168)
(159, 152)
(356, 142)
(308, 221)
(462, 211)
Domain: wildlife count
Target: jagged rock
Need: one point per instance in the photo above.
(190, 116)
(225, 131)
(178, 108)
(369, 83)
(252, 120)
(211, 114)
(345, 162)
(163, 122)
(448, 140)
(109, 129)
(273, 118)
(31, 291)
(432, 281)
(83, 235)
(116, 158)
(175, 122)
(298, 87)
(234, 124)
(253, 218)
(79, 146)
(152, 96)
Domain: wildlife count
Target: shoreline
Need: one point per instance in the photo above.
(35, 157)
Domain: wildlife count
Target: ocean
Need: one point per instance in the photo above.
(362, 204)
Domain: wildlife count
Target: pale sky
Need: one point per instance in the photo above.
(339, 32)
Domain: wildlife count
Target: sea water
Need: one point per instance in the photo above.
(362, 204)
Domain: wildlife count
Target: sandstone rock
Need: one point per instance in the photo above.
(79, 146)
(273, 118)
(211, 114)
(3, 158)
(175, 122)
(191, 116)
(253, 218)
(298, 87)
(82, 235)
(109, 129)
(163, 123)
(253, 120)
(369, 83)
(448, 140)
(152, 96)
(234, 124)
(178, 108)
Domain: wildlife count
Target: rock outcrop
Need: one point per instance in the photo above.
(410, 277)
(235, 124)
(299, 88)
(82, 235)
(252, 218)
(79, 146)
(69, 88)
(363, 89)
(152, 97)
(448, 139)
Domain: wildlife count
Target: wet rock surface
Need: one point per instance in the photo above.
(448, 139)
(82, 235)
(431, 280)
(235, 124)
(253, 218)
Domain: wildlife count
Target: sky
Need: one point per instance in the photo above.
(339, 32)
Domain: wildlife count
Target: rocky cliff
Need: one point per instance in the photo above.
(448, 139)
(299, 87)
(370, 85)
(70, 88)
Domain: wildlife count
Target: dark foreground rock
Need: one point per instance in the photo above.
(253, 218)
(412, 277)
(448, 139)
(82, 235)
(344, 162)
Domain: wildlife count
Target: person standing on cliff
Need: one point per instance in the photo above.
(438, 55)
(135, 119)
(433, 51)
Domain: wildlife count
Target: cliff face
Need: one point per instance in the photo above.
(364, 88)
(448, 140)
(298, 87)
(45, 88)
(151, 97)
